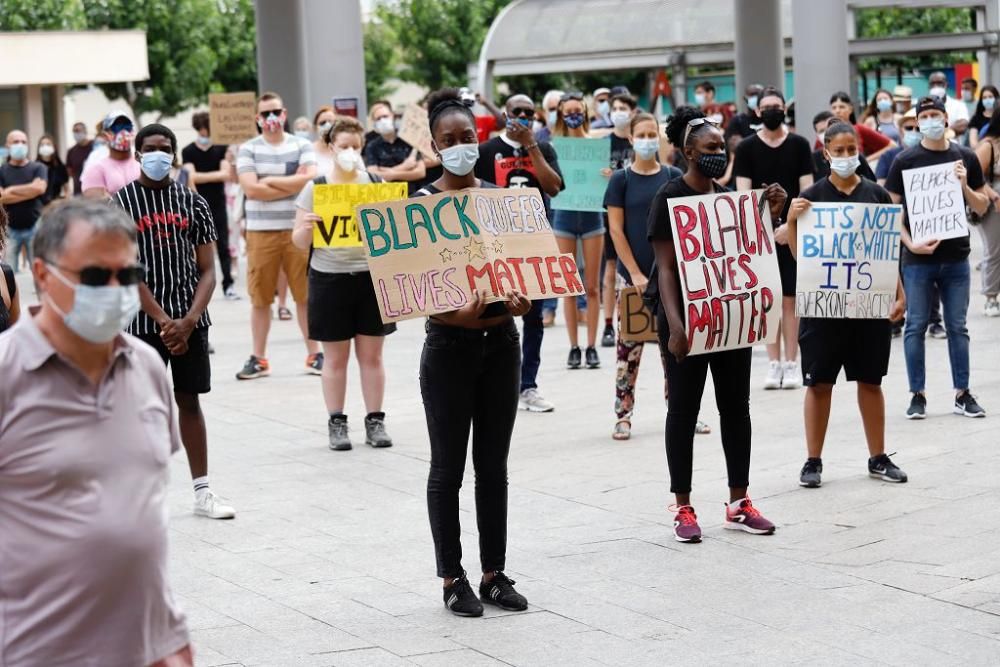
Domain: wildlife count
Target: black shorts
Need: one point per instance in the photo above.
(787, 268)
(610, 254)
(342, 306)
(860, 347)
(192, 371)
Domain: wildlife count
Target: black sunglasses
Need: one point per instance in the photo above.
(522, 112)
(273, 113)
(98, 276)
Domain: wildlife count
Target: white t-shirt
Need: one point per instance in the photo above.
(260, 157)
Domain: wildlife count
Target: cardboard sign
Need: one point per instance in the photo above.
(427, 255)
(848, 260)
(635, 322)
(581, 162)
(232, 117)
(416, 130)
(728, 270)
(935, 207)
(335, 203)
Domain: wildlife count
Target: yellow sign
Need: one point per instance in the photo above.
(335, 204)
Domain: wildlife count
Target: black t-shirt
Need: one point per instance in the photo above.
(866, 192)
(949, 250)
(75, 157)
(58, 177)
(510, 167)
(783, 165)
(381, 153)
(744, 125)
(208, 160)
(634, 193)
(821, 168)
(23, 214)
(621, 152)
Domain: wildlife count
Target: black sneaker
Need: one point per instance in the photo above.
(936, 331)
(881, 467)
(500, 592)
(461, 600)
(965, 404)
(918, 407)
(593, 361)
(812, 473)
(337, 427)
(608, 339)
(254, 368)
(375, 434)
(575, 359)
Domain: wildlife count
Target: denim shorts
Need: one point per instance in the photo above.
(577, 224)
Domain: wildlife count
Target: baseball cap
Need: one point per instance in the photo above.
(113, 116)
(620, 90)
(900, 93)
(929, 103)
(602, 91)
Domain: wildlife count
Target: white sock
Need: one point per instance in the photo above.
(201, 484)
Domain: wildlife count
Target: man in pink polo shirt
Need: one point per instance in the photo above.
(87, 427)
(106, 176)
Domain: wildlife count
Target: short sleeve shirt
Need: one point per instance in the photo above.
(633, 193)
(783, 164)
(333, 260)
(83, 515)
(382, 153)
(110, 174)
(205, 160)
(258, 156)
(949, 250)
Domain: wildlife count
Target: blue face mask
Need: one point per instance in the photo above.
(603, 108)
(646, 148)
(752, 102)
(460, 159)
(932, 128)
(573, 120)
(911, 138)
(884, 105)
(552, 116)
(19, 151)
(989, 102)
(156, 165)
(204, 141)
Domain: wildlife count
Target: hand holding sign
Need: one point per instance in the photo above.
(333, 210)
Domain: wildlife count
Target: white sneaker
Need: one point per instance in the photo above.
(773, 379)
(532, 401)
(992, 308)
(208, 504)
(230, 294)
(791, 375)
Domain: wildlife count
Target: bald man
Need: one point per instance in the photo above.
(22, 190)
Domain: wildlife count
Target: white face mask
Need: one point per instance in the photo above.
(844, 166)
(460, 159)
(932, 128)
(620, 119)
(385, 126)
(98, 313)
(46, 150)
(348, 160)
(938, 91)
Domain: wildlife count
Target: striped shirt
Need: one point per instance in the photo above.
(257, 156)
(171, 222)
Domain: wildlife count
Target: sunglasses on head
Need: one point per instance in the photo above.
(578, 96)
(99, 276)
(698, 122)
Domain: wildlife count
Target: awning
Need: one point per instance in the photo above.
(65, 57)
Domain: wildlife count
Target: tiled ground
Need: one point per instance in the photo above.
(330, 562)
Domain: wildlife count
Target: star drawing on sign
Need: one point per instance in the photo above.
(474, 249)
(446, 256)
(498, 247)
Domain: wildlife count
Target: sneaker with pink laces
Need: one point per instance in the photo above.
(686, 528)
(742, 515)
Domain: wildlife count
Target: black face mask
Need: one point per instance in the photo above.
(713, 165)
(773, 118)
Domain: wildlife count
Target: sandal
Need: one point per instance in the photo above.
(701, 428)
(623, 430)
(284, 313)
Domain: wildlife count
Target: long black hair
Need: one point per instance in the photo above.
(980, 109)
(841, 96)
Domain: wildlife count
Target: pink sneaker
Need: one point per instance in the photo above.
(742, 515)
(686, 528)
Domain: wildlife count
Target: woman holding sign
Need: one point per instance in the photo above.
(586, 227)
(470, 376)
(704, 151)
(342, 305)
(859, 346)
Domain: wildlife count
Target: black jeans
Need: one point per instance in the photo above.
(221, 218)
(685, 385)
(532, 333)
(469, 381)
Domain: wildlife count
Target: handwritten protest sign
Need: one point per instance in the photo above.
(335, 203)
(581, 162)
(728, 270)
(232, 117)
(428, 255)
(635, 322)
(848, 260)
(935, 207)
(416, 130)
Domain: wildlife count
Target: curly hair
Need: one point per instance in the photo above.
(677, 124)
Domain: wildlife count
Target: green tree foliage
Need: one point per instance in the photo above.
(380, 60)
(897, 22)
(194, 46)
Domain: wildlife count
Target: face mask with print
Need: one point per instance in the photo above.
(989, 103)
(911, 138)
(156, 165)
(884, 105)
(573, 120)
(271, 122)
(460, 159)
(620, 119)
(385, 126)
(46, 150)
(844, 166)
(122, 141)
(932, 128)
(98, 313)
(603, 108)
(713, 165)
(938, 92)
(348, 160)
(19, 151)
(646, 148)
